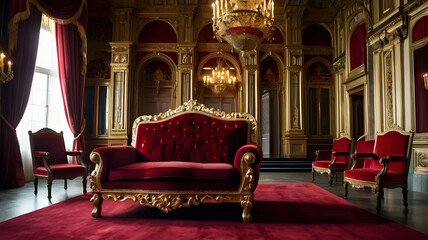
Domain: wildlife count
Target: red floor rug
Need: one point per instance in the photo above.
(280, 211)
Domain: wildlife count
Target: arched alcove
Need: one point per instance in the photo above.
(206, 35)
(420, 53)
(229, 101)
(157, 31)
(155, 85)
(316, 35)
(357, 50)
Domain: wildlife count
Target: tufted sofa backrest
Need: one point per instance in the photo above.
(192, 137)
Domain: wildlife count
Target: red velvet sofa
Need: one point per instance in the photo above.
(179, 158)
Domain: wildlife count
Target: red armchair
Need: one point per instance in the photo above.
(386, 167)
(332, 161)
(50, 159)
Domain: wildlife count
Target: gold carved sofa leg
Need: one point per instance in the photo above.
(247, 203)
(97, 200)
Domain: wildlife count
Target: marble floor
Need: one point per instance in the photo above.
(18, 201)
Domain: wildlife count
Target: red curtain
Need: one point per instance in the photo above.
(24, 27)
(15, 96)
(71, 79)
(357, 51)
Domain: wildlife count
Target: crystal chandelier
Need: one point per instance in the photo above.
(243, 23)
(221, 78)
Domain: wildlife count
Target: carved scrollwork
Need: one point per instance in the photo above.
(165, 202)
(247, 174)
(193, 105)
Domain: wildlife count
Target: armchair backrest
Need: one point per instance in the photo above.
(393, 143)
(366, 146)
(342, 145)
(47, 140)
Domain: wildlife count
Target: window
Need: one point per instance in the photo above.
(45, 106)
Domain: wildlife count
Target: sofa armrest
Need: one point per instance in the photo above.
(106, 158)
(252, 148)
(246, 158)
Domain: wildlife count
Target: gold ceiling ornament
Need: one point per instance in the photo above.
(220, 78)
(243, 23)
(5, 77)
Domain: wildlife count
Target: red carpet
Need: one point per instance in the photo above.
(280, 211)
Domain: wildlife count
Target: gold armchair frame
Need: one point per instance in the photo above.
(171, 200)
(378, 185)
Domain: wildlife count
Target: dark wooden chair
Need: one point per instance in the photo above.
(50, 159)
(386, 167)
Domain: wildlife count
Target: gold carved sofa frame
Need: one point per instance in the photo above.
(170, 200)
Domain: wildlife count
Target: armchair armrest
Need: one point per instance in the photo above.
(323, 155)
(385, 162)
(74, 153)
(337, 154)
(106, 158)
(246, 162)
(392, 159)
(78, 154)
(41, 154)
(357, 157)
(365, 155)
(45, 157)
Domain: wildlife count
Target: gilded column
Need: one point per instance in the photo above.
(293, 136)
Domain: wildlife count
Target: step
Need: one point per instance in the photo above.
(285, 165)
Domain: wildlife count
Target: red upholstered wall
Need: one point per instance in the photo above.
(421, 29)
(206, 35)
(157, 31)
(421, 94)
(358, 47)
(316, 35)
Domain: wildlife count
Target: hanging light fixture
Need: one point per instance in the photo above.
(221, 78)
(243, 23)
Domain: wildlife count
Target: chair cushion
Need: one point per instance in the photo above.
(174, 169)
(63, 170)
(324, 164)
(369, 174)
(52, 143)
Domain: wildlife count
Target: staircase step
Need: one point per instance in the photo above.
(285, 165)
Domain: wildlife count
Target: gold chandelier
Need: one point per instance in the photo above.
(243, 23)
(221, 78)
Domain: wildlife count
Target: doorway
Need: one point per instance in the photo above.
(357, 105)
(270, 123)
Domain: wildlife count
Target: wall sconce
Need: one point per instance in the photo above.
(426, 80)
(5, 77)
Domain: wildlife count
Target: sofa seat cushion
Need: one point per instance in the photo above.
(174, 184)
(174, 169)
(324, 164)
(59, 170)
(369, 174)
